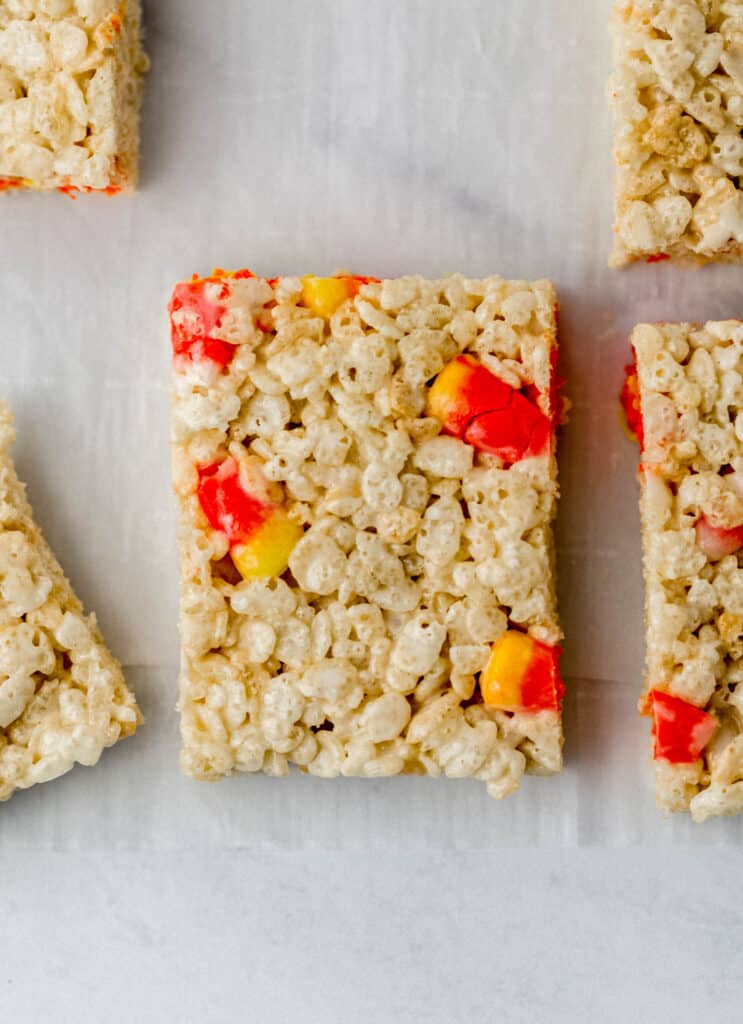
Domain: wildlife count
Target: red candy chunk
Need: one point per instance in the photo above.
(475, 405)
(630, 400)
(193, 327)
(717, 541)
(228, 507)
(681, 730)
(520, 431)
(543, 686)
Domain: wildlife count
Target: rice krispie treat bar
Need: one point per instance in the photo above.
(70, 89)
(366, 481)
(685, 401)
(677, 97)
(62, 695)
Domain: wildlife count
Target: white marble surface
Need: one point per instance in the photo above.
(387, 136)
(522, 938)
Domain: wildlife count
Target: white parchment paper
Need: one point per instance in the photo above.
(387, 137)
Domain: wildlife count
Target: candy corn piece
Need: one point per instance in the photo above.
(347, 563)
(465, 389)
(475, 405)
(681, 406)
(681, 730)
(323, 295)
(262, 536)
(196, 313)
(522, 675)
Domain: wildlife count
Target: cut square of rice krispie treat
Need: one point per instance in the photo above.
(62, 695)
(684, 400)
(677, 98)
(70, 90)
(366, 482)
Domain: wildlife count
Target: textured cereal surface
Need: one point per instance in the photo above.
(62, 695)
(677, 97)
(691, 383)
(417, 552)
(70, 88)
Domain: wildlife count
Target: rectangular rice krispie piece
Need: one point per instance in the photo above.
(70, 90)
(366, 482)
(62, 695)
(677, 98)
(685, 402)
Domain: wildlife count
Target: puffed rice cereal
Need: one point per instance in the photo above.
(62, 695)
(677, 98)
(366, 480)
(684, 400)
(70, 89)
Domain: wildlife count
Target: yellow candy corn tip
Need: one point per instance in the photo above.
(323, 295)
(266, 553)
(500, 683)
(445, 390)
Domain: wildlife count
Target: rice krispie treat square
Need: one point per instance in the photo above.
(677, 98)
(366, 481)
(70, 89)
(62, 695)
(685, 401)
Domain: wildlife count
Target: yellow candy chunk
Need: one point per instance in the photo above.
(500, 683)
(323, 295)
(267, 551)
(445, 394)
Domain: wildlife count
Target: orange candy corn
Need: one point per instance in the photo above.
(522, 675)
(476, 406)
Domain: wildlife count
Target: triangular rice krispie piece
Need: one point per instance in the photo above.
(62, 694)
